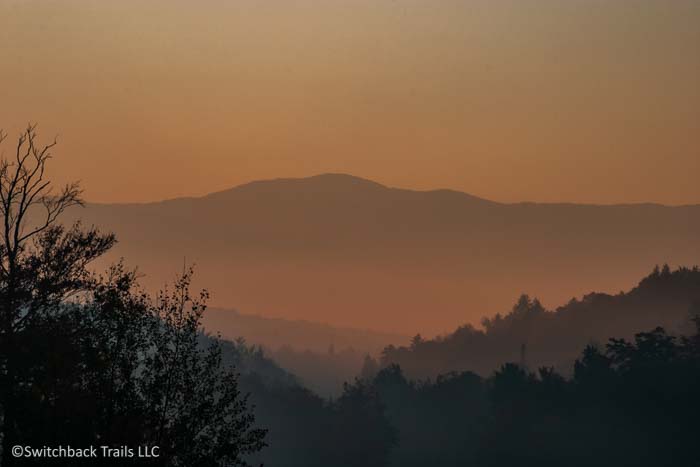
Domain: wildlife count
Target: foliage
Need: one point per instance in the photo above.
(91, 360)
(540, 337)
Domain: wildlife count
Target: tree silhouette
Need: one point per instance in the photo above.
(195, 411)
(89, 359)
(42, 264)
(362, 427)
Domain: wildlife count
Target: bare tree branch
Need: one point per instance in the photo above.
(22, 186)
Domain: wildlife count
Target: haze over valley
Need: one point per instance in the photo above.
(349, 252)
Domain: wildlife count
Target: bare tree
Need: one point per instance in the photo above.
(23, 186)
(41, 262)
(128, 371)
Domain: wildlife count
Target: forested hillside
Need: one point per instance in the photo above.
(537, 336)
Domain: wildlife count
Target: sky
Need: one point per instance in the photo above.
(593, 101)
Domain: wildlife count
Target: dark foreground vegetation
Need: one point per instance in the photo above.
(631, 402)
(89, 359)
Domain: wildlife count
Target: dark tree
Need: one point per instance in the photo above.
(42, 264)
(91, 360)
(362, 428)
(196, 413)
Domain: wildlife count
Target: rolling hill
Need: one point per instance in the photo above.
(274, 333)
(531, 335)
(350, 252)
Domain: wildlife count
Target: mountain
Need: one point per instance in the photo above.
(275, 333)
(321, 357)
(350, 252)
(531, 335)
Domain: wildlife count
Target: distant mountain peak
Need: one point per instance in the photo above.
(342, 184)
(338, 177)
(327, 182)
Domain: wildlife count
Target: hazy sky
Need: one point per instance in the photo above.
(546, 100)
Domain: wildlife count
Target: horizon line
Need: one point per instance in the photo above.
(387, 187)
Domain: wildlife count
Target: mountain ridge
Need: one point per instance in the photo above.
(365, 182)
(553, 338)
(299, 334)
(354, 253)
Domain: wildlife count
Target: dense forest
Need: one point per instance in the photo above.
(527, 332)
(621, 401)
(554, 338)
(629, 403)
(619, 397)
(88, 359)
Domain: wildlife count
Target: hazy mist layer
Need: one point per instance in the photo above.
(346, 251)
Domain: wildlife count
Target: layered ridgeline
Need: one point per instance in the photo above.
(347, 251)
(276, 333)
(322, 357)
(598, 409)
(534, 337)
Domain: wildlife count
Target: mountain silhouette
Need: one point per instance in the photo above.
(273, 333)
(535, 337)
(347, 251)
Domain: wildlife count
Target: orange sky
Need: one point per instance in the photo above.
(546, 100)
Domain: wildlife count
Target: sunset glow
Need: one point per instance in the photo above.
(547, 100)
